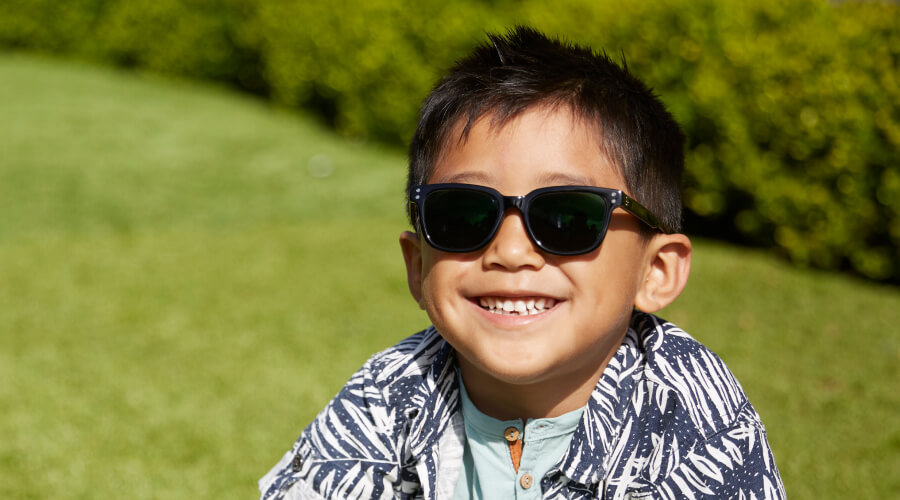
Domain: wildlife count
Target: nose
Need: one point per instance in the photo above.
(511, 248)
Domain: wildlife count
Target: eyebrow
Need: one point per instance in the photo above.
(466, 178)
(550, 179)
(564, 179)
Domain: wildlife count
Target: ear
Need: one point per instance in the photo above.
(412, 256)
(666, 271)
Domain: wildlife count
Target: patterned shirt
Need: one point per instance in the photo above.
(667, 420)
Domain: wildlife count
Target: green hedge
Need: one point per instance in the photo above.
(792, 108)
(792, 111)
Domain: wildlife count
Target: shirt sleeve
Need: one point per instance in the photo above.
(346, 452)
(735, 463)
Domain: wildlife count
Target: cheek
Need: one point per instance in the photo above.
(439, 276)
(610, 278)
(627, 258)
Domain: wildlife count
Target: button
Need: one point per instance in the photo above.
(526, 481)
(511, 434)
(296, 464)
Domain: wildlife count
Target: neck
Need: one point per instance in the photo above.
(542, 398)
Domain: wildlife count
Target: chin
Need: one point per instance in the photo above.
(515, 374)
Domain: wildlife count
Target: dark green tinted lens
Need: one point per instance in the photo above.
(568, 222)
(460, 219)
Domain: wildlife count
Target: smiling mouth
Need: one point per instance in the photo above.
(523, 306)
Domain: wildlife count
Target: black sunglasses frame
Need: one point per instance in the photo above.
(613, 198)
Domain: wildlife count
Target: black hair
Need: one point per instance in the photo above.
(524, 69)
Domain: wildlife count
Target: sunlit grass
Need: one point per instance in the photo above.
(187, 276)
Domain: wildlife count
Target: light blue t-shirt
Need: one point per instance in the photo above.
(488, 470)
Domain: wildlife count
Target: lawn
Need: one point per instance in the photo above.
(187, 275)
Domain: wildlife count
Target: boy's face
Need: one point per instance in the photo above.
(588, 298)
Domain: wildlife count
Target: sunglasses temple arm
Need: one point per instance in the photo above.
(414, 215)
(636, 209)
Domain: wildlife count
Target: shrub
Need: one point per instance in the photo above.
(366, 65)
(792, 109)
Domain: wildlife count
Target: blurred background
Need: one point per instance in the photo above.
(200, 202)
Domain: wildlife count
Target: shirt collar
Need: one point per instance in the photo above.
(594, 445)
(435, 402)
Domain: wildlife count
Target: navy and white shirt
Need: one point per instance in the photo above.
(666, 420)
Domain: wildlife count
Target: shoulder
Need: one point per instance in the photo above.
(383, 389)
(678, 366)
(411, 357)
(699, 433)
(353, 444)
(396, 373)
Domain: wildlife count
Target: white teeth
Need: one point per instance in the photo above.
(518, 307)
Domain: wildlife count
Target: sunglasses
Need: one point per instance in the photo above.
(561, 220)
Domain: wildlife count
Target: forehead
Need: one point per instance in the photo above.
(541, 146)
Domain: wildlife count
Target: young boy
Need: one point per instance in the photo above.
(544, 193)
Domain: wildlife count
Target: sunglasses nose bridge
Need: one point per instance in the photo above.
(520, 203)
(512, 245)
(517, 202)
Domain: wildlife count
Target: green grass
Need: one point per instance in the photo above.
(187, 276)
